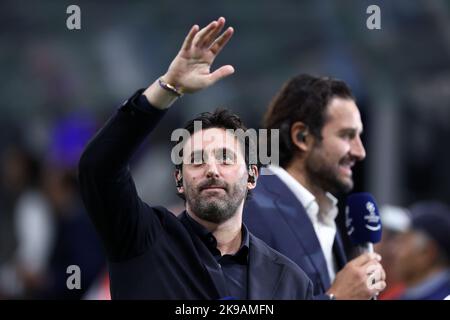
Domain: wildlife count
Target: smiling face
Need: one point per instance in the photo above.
(330, 160)
(215, 176)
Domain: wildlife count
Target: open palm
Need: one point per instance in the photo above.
(191, 69)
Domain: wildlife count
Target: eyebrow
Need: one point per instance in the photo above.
(227, 150)
(350, 130)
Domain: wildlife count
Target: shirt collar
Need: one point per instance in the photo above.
(305, 197)
(210, 241)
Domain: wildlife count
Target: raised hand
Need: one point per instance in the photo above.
(190, 71)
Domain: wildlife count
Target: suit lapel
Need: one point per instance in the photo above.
(296, 217)
(264, 273)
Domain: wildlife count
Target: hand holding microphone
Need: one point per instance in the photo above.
(363, 277)
(356, 280)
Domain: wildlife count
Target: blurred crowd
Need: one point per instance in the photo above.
(415, 247)
(44, 228)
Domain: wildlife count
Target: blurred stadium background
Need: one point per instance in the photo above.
(58, 86)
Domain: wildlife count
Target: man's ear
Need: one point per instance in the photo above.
(300, 136)
(252, 176)
(179, 180)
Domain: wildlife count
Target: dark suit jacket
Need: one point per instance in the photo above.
(276, 216)
(152, 253)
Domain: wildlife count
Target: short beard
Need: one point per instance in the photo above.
(219, 209)
(215, 212)
(326, 178)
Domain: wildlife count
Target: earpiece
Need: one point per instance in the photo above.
(179, 180)
(301, 136)
(251, 177)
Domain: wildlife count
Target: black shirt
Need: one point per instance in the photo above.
(152, 254)
(233, 267)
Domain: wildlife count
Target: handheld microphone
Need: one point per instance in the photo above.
(363, 221)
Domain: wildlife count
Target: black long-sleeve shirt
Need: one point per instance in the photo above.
(152, 253)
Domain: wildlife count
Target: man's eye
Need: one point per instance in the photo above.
(197, 162)
(349, 136)
(227, 157)
(197, 159)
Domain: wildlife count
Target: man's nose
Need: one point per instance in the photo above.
(212, 169)
(357, 149)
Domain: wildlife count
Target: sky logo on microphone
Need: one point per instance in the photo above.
(362, 219)
(373, 219)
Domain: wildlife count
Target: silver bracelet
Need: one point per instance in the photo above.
(331, 296)
(170, 88)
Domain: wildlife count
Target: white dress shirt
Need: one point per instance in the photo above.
(322, 219)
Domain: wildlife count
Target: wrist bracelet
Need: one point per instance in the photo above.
(170, 88)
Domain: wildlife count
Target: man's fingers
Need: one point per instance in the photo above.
(220, 73)
(220, 42)
(372, 266)
(376, 288)
(188, 40)
(209, 37)
(201, 34)
(365, 258)
(190, 37)
(383, 274)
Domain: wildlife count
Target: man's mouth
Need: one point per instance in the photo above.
(213, 185)
(346, 167)
(213, 188)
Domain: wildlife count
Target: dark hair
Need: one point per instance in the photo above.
(220, 118)
(303, 98)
